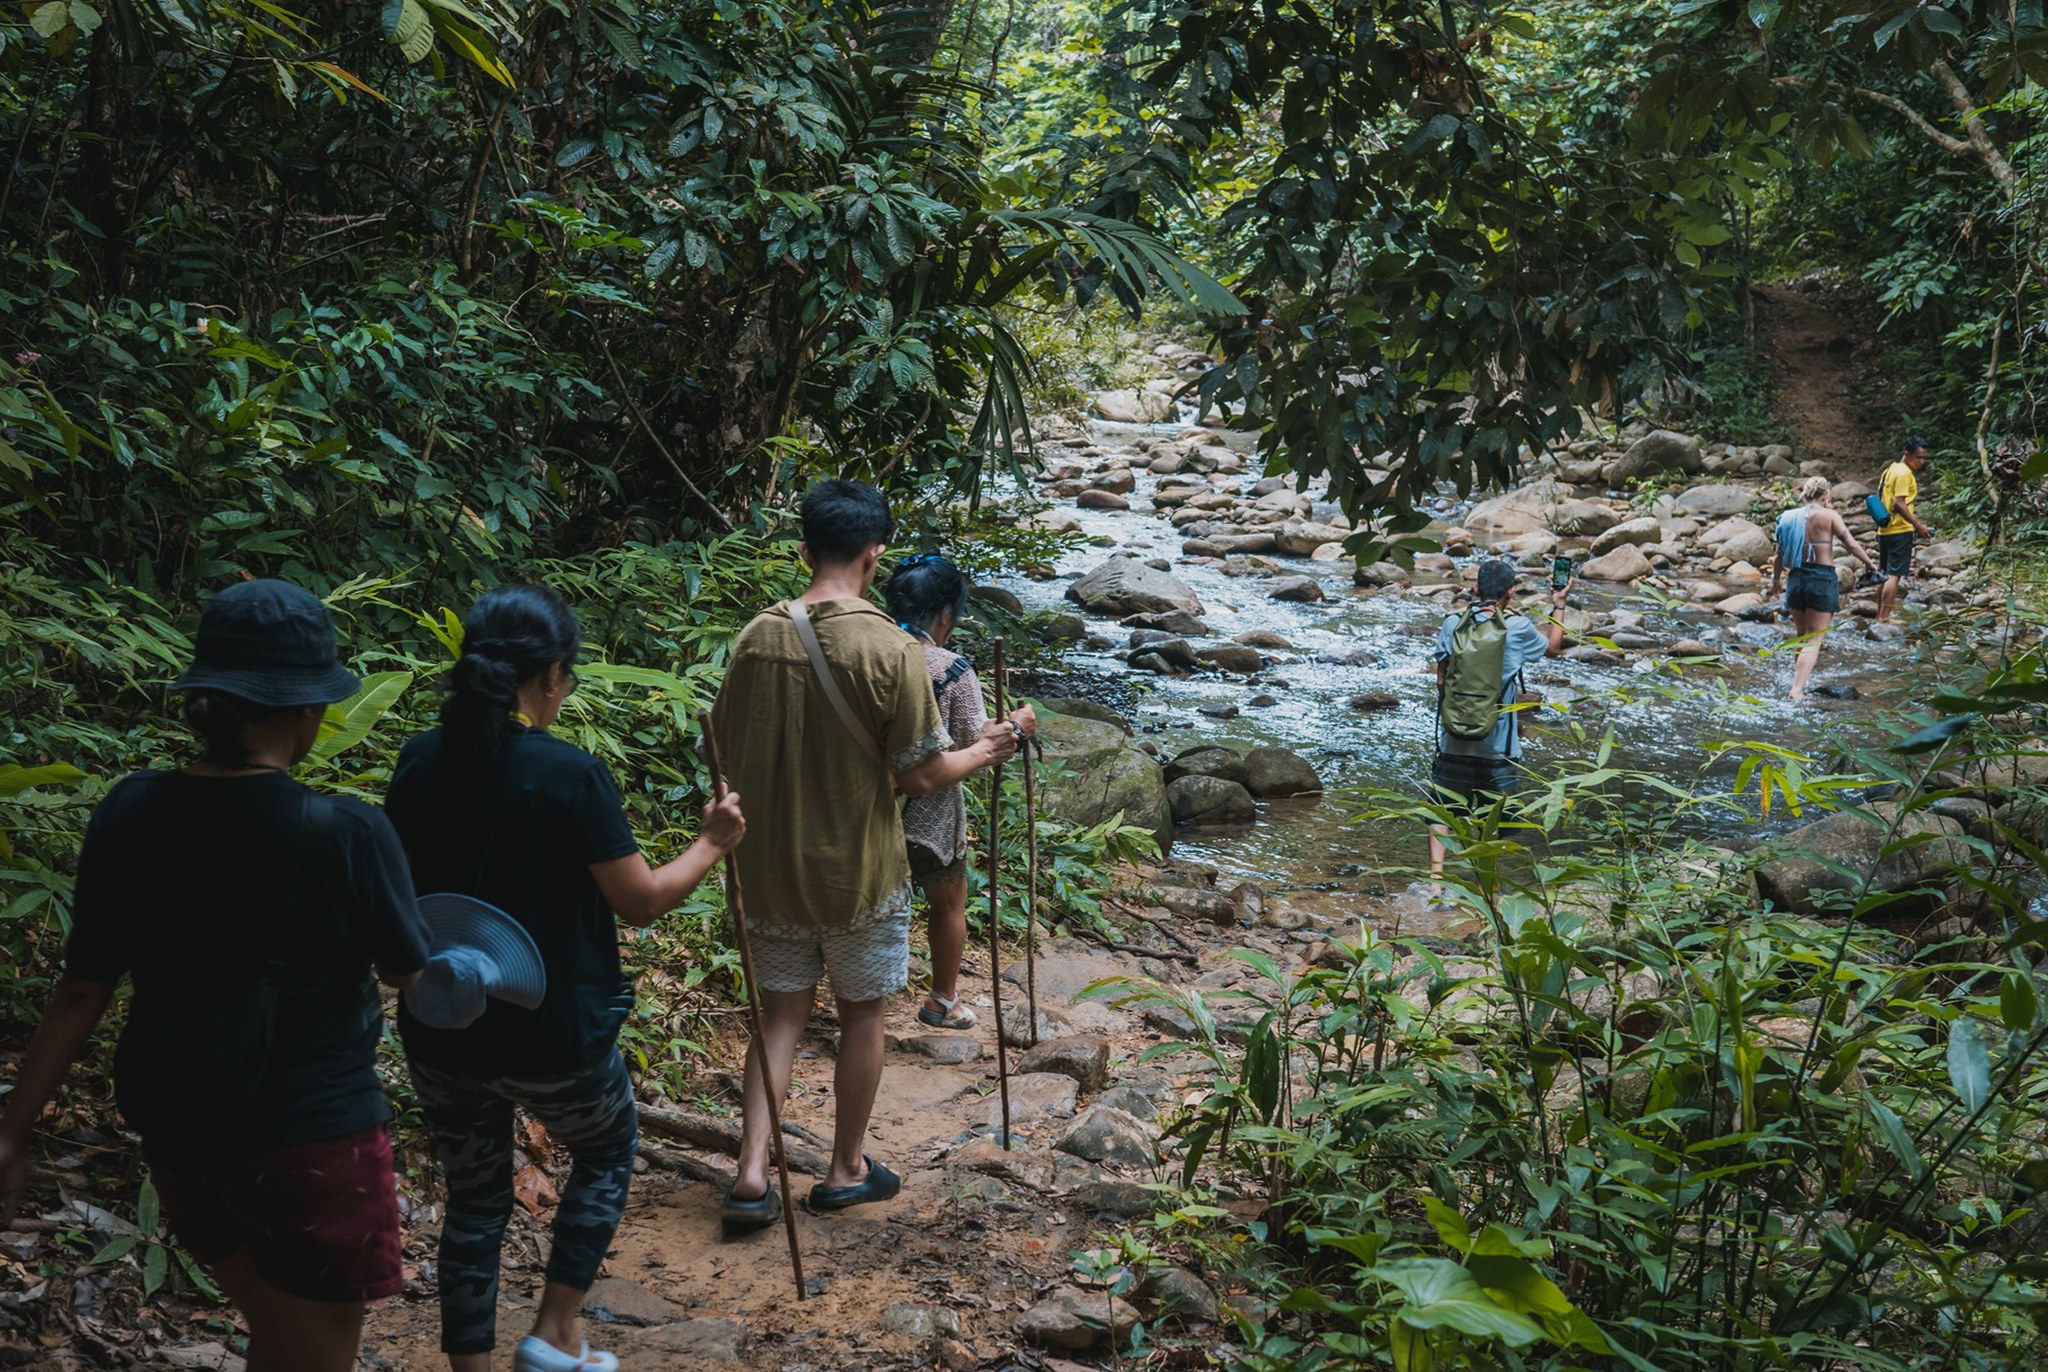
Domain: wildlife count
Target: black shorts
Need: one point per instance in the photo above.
(1895, 554)
(1473, 781)
(1814, 588)
(928, 869)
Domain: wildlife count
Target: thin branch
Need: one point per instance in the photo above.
(633, 408)
(1973, 127)
(1946, 141)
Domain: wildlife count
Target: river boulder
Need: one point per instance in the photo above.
(1302, 588)
(1134, 407)
(1518, 512)
(1081, 708)
(1201, 800)
(1803, 874)
(1276, 772)
(1626, 563)
(1656, 452)
(1126, 586)
(1232, 657)
(1583, 518)
(1716, 501)
(1208, 760)
(1641, 532)
(1301, 537)
(1103, 773)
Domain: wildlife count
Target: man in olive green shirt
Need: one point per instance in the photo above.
(823, 864)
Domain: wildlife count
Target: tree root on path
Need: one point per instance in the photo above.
(723, 1136)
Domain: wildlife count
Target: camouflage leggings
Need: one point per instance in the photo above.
(591, 1113)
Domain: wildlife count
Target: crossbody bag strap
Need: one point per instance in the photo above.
(806, 634)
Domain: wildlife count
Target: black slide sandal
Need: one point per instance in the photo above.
(745, 1216)
(878, 1185)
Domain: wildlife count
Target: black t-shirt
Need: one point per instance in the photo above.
(191, 885)
(522, 838)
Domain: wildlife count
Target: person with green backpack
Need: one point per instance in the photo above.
(1480, 654)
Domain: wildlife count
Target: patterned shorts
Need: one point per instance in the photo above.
(866, 963)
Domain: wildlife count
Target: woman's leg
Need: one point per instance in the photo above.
(472, 1127)
(592, 1114)
(290, 1333)
(946, 899)
(1809, 652)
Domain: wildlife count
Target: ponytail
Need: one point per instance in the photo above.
(509, 637)
(922, 588)
(219, 719)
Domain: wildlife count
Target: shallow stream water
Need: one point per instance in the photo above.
(1663, 719)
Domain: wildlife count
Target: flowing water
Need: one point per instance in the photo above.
(1662, 719)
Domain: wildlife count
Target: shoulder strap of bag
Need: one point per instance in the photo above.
(800, 616)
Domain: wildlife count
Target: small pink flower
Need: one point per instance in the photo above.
(27, 359)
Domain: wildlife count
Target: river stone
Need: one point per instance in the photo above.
(1798, 879)
(1626, 563)
(1372, 701)
(1166, 464)
(1656, 452)
(1151, 662)
(1035, 1096)
(1104, 774)
(1639, 532)
(1514, 513)
(1000, 597)
(1301, 538)
(1303, 588)
(1083, 709)
(1083, 1057)
(1101, 500)
(1126, 586)
(1751, 545)
(1118, 479)
(1738, 604)
(1379, 574)
(1583, 518)
(1076, 1320)
(1176, 1290)
(1104, 1134)
(1063, 629)
(951, 1049)
(1264, 638)
(1170, 622)
(1692, 647)
(1134, 407)
(1716, 501)
(1232, 657)
(1109, 1194)
(1210, 800)
(1208, 760)
(1275, 772)
(1131, 1101)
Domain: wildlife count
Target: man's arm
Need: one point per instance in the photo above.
(1553, 627)
(997, 743)
(1905, 507)
(73, 1011)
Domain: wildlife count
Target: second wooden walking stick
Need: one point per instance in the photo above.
(1031, 888)
(739, 929)
(995, 916)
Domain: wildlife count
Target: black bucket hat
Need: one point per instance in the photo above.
(269, 643)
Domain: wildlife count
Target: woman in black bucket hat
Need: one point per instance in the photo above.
(250, 914)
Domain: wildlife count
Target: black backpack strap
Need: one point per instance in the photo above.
(956, 669)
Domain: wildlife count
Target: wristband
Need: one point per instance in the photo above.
(1018, 730)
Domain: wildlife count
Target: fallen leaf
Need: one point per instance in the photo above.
(532, 1189)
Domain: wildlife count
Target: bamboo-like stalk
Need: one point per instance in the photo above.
(1031, 889)
(995, 918)
(739, 926)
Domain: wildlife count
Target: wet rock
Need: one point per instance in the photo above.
(1298, 588)
(1084, 709)
(1752, 545)
(1126, 586)
(1063, 629)
(1262, 700)
(1232, 657)
(1928, 848)
(1176, 651)
(1217, 711)
(1194, 903)
(1738, 604)
(1229, 545)
(1583, 518)
(1151, 662)
(1640, 532)
(1166, 464)
(1178, 1291)
(1035, 1096)
(1083, 1057)
(1118, 480)
(1692, 647)
(1178, 622)
(1301, 537)
(1264, 638)
(1371, 701)
(1626, 563)
(1104, 1134)
(1592, 656)
(1659, 451)
(1076, 1320)
(1133, 406)
(1276, 772)
(1716, 501)
(1707, 590)
(1379, 574)
(1104, 774)
(1201, 800)
(1102, 500)
(1888, 631)
(1209, 760)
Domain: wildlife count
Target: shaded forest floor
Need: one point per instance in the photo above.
(1835, 376)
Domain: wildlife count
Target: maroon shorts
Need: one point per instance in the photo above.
(319, 1219)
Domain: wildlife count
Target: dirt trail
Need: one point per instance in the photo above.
(1830, 375)
(975, 1238)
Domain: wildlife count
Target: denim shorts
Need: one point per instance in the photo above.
(1814, 588)
(866, 963)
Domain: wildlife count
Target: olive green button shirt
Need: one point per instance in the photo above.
(824, 845)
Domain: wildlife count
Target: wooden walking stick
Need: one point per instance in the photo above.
(739, 927)
(1031, 888)
(995, 917)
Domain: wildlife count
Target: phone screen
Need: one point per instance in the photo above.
(1560, 573)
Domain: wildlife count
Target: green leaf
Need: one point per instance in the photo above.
(51, 19)
(1969, 1064)
(409, 28)
(1443, 1295)
(1893, 1131)
(15, 779)
(1934, 735)
(156, 1265)
(1450, 1226)
(350, 722)
(2018, 1002)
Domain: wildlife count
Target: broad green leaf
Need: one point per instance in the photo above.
(16, 779)
(350, 722)
(1893, 1131)
(2018, 1002)
(1969, 1064)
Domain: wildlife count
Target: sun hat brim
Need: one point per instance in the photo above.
(273, 687)
(455, 920)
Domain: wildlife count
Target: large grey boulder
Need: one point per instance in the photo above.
(1626, 563)
(1210, 800)
(1105, 1134)
(1716, 501)
(1928, 848)
(1077, 1320)
(1753, 546)
(1126, 586)
(1518, 512)
(1301, 537)
(1656, 452)
(1272, 772)
(1583, 518)
(1102, 773)
(1641, 532)
(1208, 760)
(1134, 407)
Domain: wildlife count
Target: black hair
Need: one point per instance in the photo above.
(219, 719)
(1914, 443)
(843, 519)
(509, 637)
(921, 588)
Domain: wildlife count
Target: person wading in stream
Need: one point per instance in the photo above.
(825, 713)
(1805, 565)
(1897, 490)
(1480, 654)
(249, 913)
(491, 805)
(928, 596)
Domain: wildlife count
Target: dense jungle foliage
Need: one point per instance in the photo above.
(403, 300)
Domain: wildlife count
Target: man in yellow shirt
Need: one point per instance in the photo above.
(1898, 488)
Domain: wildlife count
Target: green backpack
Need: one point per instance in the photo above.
(1470, 704)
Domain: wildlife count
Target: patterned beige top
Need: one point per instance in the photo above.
(939, 821)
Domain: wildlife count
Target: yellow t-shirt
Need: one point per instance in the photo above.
(1898, 484)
